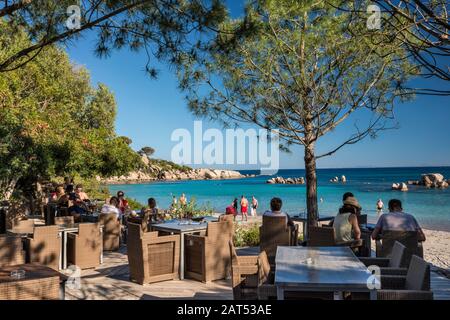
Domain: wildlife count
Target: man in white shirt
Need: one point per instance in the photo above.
(275, 211)
(112, 207)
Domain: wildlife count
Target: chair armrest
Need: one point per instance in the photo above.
(352, 244)
(404, 295)
(247, 260)
(393, 282)
(161, 239)
(370, 261)
(394, 271)
(245, 269)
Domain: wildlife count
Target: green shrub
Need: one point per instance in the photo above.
(134, 204)
(246, 235)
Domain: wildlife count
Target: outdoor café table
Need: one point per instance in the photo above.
(320, 269)
(38, 282)
(182, 227)
(64, 229)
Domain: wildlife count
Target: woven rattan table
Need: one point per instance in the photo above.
(39, 283)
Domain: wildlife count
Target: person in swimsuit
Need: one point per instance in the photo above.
(254, 206)
(244, 208)
(380, 206)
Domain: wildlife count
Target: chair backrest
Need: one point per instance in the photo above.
(274, 232)
(226, 217)
(408, 238)
(109, 222)
(233, 254)
(321, 236)
(418, 276)
(89, 230)
(219, 231)
(24, 226)
(362, 218)
(64, 220)
(11, 251)
(397, 255)
(134, 233)
(45, 231)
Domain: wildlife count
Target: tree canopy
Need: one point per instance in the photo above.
(53, 122)
(300, 67)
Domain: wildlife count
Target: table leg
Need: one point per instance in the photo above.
(280, 293)
(181, 256)
(65, 250)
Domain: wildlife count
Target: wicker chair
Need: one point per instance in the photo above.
(408, 238)
(392, 265)
(325, 237)
(85, 248)
(64, 220)
(11, 251)
(44, 247)
(362, 219)
(207, 257)
(111, 231)
(226, 217)
(275, 232)
(414, 286)
(152, 258)
(144, 221)
(23, 226)
(244, 275)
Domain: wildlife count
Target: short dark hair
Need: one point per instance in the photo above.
(120, 193)
(114, 199)
(69, 188)
(79, 186)
(151, 202)
(276, 204)
(347, 195)
(395, 204)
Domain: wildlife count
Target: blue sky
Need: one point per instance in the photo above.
(149, 110)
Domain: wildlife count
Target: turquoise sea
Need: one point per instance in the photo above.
(431, 207)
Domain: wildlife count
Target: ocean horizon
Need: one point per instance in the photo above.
(431, 207)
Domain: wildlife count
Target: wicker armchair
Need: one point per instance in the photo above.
(392, 265)
(226, 217)
(44, 247)
(275, 232)
(23, 226)
(207, 257)
(325, 237)
(64, 220)
(409, 239)
(414, 286)
(144, 222)
(111, 231)
(152, 258)
(85, 248)
(11, 251)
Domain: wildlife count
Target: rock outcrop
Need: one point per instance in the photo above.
(431, 180)
(152, 171)
(281, 180)
(400, 186)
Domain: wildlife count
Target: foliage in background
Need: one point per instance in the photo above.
(246, 235)
(53, 122)
(169, 165)
(134, 204)
(191, 209)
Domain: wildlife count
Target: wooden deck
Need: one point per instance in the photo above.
(111, 282)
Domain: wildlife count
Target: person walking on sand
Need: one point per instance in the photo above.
(254, 206)
(380, 205)
(244, 208)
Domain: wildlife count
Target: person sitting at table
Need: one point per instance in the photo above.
(80, 193)
(123, 203)
(275, 211)
(151, 210)
(397, 220)
(61, 197)
(345, 224)
(112, 207)
(77, 209)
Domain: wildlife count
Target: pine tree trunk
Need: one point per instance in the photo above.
(311, 185)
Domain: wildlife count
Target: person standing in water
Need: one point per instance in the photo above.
(183, 200)
(380, 205)
(254, 206)
(244, 208)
